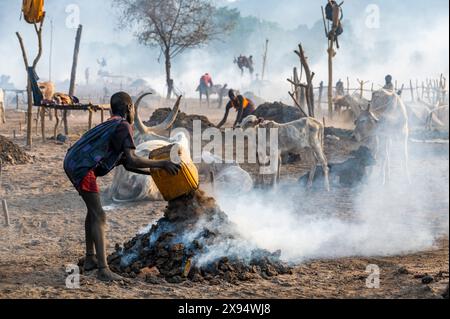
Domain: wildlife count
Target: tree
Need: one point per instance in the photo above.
(173, 25)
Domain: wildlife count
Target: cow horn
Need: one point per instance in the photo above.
(138, 122)
(162, 128)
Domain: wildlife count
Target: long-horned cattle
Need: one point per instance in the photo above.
(294, 137)
(127, 186)
(386, 120)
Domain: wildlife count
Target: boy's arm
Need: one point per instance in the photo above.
(138, 171)
(134, 163)
(227, 111)
(239, 117)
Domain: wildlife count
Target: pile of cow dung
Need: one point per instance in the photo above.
(195, 241)
(11, 153)
(278, 112)
(183, 120)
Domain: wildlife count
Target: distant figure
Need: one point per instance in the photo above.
(204, 87)
(334, 14)
(102, 62)
(388, 85)
(241, 104)
(245, 62)
(340, 91)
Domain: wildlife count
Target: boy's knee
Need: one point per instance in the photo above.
(98, 216)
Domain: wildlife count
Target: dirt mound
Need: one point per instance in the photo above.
(11, 153)
(278, 112)
(183, 120)
(195, 241)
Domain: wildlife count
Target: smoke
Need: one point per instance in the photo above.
(373, 220)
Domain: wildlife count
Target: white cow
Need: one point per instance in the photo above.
(294, 137)
(127, 186)
(386, 120)
(2, 106)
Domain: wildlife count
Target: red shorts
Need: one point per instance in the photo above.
(89, 183)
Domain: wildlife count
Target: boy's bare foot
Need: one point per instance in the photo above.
(105, 274)
(90, 263)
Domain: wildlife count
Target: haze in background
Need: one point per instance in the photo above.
(411, 41)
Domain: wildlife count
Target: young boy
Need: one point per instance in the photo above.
(97, 153)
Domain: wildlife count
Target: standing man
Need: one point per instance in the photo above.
(243, 106)
(388, 85)
(205, 84)
(97, 153)
(340, 90)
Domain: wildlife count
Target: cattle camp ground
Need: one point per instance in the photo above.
(351, 202)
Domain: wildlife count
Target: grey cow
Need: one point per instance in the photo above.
(386, 120)
(294, 137)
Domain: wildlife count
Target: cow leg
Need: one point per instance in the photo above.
(201, 95)
(320, 156)
(207, 99)
(312, 171)
(277, 176)
(279, 169)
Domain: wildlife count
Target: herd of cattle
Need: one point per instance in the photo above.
(383, 124)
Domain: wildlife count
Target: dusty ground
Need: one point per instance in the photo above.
(47, 234)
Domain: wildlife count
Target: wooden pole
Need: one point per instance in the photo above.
(361, 88)
(73, 75)
(309, 79)
(38, 30)
(29, 114)
(50, 57)
(348, 86)
(90, 119)
(331, 54)
(412, 90)
(297, 89)
(266, 48)
(55, 129)
(6, 213)
(43, 124)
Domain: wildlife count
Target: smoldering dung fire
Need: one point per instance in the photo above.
(196, 241)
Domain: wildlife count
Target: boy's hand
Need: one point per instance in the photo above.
(171, 168)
